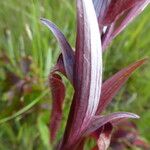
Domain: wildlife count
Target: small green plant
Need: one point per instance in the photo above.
(96, 28)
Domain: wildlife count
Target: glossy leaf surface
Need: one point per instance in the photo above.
(99, 121)
(58, 95)
(87, 71)
(112, 85)
(67, 52)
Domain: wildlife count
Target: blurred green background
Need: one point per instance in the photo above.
(27, 53)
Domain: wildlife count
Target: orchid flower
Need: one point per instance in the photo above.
(83, 68)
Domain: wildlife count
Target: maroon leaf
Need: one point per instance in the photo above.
(129, 16)
(67, 52)
(116, 8)
(122, 20)
(111, 86)
(108, 10)
(87, 73)
(99, 121)
(58, 95)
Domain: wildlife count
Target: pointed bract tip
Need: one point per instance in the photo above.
(144, 60)
(132, 115)
(47, 22)
(43, 20)
(136, 116)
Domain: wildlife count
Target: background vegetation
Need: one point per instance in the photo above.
(27, 53)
